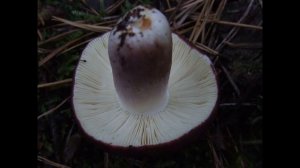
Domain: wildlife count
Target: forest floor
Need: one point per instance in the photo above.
(229, 31)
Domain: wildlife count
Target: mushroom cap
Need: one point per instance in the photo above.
(193, 94)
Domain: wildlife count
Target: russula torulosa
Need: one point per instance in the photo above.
(141, 87)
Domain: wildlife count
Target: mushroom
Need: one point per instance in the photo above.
(141, 87)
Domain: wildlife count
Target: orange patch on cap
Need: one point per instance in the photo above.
(145, 23)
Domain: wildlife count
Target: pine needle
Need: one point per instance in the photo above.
(49, 162)
(56, 37)
(54, 109)
(89, 27)
(60, 49)
(56, 83)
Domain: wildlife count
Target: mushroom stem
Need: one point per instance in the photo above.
(140, 53)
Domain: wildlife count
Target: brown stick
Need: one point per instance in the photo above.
(207, 49)
(43, 51)
(61, 24)
(114, 6)
(56, 37)
(234, 30)
(210, 35)
(193, 37)
(235, 24)
(60, 49)
(185, 14)
(236, 104)
(235, 147)
(182, 25)
(49, 162)
(185, 30)
(237, 90)
(40, 35)
(217, 160)
(55, 83)
(172, 17)
(243, 45)
(108, 22)
(84, 26)
(106, 160)
(53, 109)
(168, 4)
(77, 45)
(203, 28)
(253, 142)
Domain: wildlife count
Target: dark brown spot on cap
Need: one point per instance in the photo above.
(122, 25)
(136, 12)
(122, 38)
(141, 33)
(130, 34)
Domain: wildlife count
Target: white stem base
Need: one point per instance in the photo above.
(150, 106)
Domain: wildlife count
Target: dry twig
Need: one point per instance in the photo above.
(234, 30)
(53, 109)
(212, 29)
(207, 49)
(185, 14)
(235, 24)
(60, 49)
(172, 17)
(43, 50)
(55, 83)
(186, 30)
(200, 25)
(114, 6)
(55, 37)
(40, 35)
(49, 162)
(75, 46)
(243, 45)
(235, 147)
(89, 27)
(217, 160)
(231, 81)
(106, 160)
